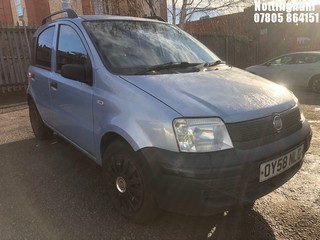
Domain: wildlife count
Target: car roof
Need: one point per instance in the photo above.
(115, 17)
(292, 53)
(303, 52)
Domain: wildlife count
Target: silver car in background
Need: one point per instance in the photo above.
(299, 69)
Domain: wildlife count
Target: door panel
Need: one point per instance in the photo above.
(39, 84)
(72, 99)
(40, 73)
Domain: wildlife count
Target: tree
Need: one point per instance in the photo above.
(137, 8)
(100, 6)
(182, 11)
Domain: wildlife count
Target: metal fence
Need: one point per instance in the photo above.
(238, 51)
(14, 57)
(242, 52)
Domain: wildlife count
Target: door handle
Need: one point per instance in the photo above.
(54, 85)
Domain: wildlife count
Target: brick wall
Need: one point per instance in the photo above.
(5, 12)
(36, 11)
(87, 7)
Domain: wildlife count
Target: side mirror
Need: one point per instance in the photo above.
(75, 72)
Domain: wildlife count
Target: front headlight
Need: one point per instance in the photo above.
(201, 134)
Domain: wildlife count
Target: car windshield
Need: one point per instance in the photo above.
(134, 47)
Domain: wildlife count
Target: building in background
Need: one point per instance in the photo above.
(31, 12)
(5, 12)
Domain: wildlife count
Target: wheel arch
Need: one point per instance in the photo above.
(312, 78)
(107, 139)
(29, 98)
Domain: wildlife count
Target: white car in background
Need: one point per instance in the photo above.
(299, 69)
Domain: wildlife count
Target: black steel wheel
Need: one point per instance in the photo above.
(128, 183)
(40, 130)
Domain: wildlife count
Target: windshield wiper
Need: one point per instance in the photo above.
(165, 66)
(215, 63)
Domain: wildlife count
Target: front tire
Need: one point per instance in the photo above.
(40, 130)
(128, 183)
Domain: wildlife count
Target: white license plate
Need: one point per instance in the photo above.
(276, 166)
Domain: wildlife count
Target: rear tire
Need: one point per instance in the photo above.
(128, 183)
(40, 130)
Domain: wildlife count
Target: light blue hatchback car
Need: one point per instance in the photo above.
(172, 125)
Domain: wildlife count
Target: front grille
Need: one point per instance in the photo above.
(263, 127)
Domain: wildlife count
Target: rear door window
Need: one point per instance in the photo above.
(44, 48)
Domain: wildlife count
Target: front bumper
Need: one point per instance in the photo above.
(207, 183)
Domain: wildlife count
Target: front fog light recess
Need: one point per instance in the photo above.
(201, 135)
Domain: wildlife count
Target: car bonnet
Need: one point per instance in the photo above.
(229, 93)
